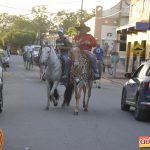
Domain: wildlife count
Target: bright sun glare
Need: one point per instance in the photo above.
(23, 7)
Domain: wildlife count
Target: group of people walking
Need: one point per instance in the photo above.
(85, 42)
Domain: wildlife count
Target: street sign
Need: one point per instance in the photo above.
(138, 49)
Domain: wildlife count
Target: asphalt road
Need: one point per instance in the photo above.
(28, 126)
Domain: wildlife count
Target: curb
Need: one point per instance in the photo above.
(116, 82)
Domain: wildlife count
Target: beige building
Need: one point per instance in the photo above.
(104, 25)
(137, 32)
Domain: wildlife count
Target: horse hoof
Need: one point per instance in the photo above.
(75, 113)
(55, 104)
(85, 109)
(46, 108)
(62, 105)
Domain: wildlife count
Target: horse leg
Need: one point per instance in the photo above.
(88, 95)
(30, 65)
(55, 84)
(84, 91)
(99, 83)
(32, 62)
(41, 72)
(26, 65)
(48, 95)
(44, 72)
(77, 96)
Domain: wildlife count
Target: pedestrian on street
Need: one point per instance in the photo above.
(99, 52)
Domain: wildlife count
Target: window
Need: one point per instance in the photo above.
(123, 39)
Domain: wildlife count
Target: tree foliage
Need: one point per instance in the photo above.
(20, 30)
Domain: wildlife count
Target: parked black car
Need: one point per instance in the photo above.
(136, 92)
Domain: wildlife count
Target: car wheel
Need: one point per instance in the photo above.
(138, 113)
(124, 106)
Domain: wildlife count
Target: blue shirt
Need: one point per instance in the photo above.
(98, 53)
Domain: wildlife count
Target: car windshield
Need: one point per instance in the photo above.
(36, 48)
(148, 72)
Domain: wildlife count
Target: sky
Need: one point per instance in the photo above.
(23, 7)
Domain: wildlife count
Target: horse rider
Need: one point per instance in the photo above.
(86, 42)
(27, 48)
(63, 46)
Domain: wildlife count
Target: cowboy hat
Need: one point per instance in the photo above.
(83, 27)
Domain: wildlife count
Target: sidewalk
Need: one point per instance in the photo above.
(119, 78)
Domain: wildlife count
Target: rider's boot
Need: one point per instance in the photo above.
(64, 76)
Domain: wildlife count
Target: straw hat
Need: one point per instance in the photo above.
(83, 27)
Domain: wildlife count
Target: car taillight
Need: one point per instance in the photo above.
(148, 86)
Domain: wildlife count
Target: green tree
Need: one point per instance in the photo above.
(41, 21)
(19, 38)
(67, 19)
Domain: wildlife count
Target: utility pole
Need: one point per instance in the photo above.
(81, 11)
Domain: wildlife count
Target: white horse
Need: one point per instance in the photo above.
(43, 61)
(53, 74)
(27, 57)
(28, 60)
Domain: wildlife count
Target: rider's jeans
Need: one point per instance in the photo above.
(94, 64)
(66, 63)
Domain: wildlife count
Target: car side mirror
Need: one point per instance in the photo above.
(128, 75)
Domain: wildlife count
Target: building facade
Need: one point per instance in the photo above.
(104, 25)
(137, 33)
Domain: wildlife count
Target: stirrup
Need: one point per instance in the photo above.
(64, 77)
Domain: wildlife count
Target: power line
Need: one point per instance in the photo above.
(112, 14)
(52, 4)
(70, 2)
(14, 7)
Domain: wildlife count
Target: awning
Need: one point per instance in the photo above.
(133, 28)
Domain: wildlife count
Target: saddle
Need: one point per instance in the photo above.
(86, 54)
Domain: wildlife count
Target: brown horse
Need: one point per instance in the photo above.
(80, 78)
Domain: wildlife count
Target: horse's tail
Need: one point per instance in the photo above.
(68, 93)
(56, 94)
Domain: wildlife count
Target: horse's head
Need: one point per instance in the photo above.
(75, 55)
(45, 54)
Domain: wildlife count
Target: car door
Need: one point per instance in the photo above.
(134, 82)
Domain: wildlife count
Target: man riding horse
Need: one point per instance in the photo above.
(86, 42)
(63, 46)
